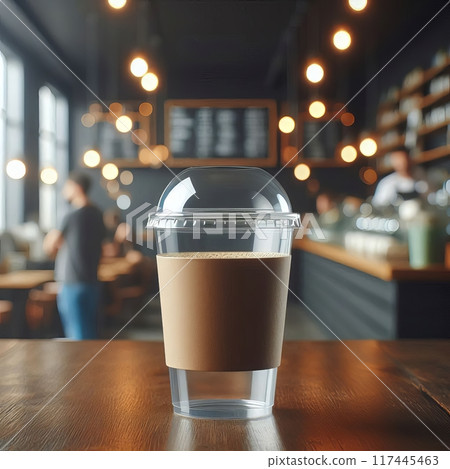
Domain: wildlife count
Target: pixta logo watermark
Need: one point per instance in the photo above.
(234, 225)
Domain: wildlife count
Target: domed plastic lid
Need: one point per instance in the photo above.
(203, 193)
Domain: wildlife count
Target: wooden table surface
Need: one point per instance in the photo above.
(25, 279)
(326, 399)
(111, 268)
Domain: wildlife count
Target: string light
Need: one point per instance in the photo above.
(342, 39)
(149, 82)
(88, 119)
(138, 67)
(145, 156)
(347, 119)
(349, 153)
(286, 124)
(368, 147)
(357, 5)
(161, 152)
(314, 72)
(16, 169)
(91, 158)
(126, 177)
(95, 108)
(117, 4)
(115, 108)
(139, 136)
(49, 175)
(112, 186)
(302, 172)
(145, 109)
(368, 176)
(110, 171)
(123, 201)
(317, 109)
(124, 124)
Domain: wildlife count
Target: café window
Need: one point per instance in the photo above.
(53, 155)
(11, 136)
(2, 139)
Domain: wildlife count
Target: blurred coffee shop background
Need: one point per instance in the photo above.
(273, 74)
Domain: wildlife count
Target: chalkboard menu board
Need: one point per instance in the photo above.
(322, 143)
(221, 132)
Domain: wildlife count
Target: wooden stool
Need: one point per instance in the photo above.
(40, 308)
(5, 311)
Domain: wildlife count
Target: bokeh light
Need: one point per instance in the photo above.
(145, 156)
(49, 175)
(368, 146)
(138, 67)
(126, 177)
(349, 153)
(139, 136)
(116, 108)
(286, 124)
(149, 82)
(357, 5)
(88, 119)
(161, 152)
(91, 158)
(302, 172)
(317, 109)
(314, 72)
(123, 201)
(117, 4)
(368, 175)
(347, 119)
(342, 39)
(16, 169)
(124, 124)
(145, 109)
(112, 186)
(95, 108)
(110, 171)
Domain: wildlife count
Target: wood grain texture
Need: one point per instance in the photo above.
(326, 399)
(383, 269)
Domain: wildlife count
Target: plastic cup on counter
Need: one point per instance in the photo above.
(224, 237)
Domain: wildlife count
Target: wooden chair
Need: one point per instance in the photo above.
(41, 307)
(5, 311)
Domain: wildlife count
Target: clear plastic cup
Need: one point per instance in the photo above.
(224, 237)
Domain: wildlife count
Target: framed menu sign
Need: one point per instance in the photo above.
(221, 132)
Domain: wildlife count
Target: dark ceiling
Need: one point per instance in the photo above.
(209, 45)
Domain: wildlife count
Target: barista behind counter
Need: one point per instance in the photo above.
(401, 184)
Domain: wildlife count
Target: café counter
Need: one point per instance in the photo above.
(360, 297)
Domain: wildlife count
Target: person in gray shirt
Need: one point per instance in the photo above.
(78, 246)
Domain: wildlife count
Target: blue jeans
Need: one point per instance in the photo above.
(78, 307)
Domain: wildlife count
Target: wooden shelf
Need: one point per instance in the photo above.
(323, 163)
(400, 141)
(427, 76)
(427, 129)
(425, 103)
(431, 155)
(423, 157)
(400, 119)
(431, 99)
(389, 103)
